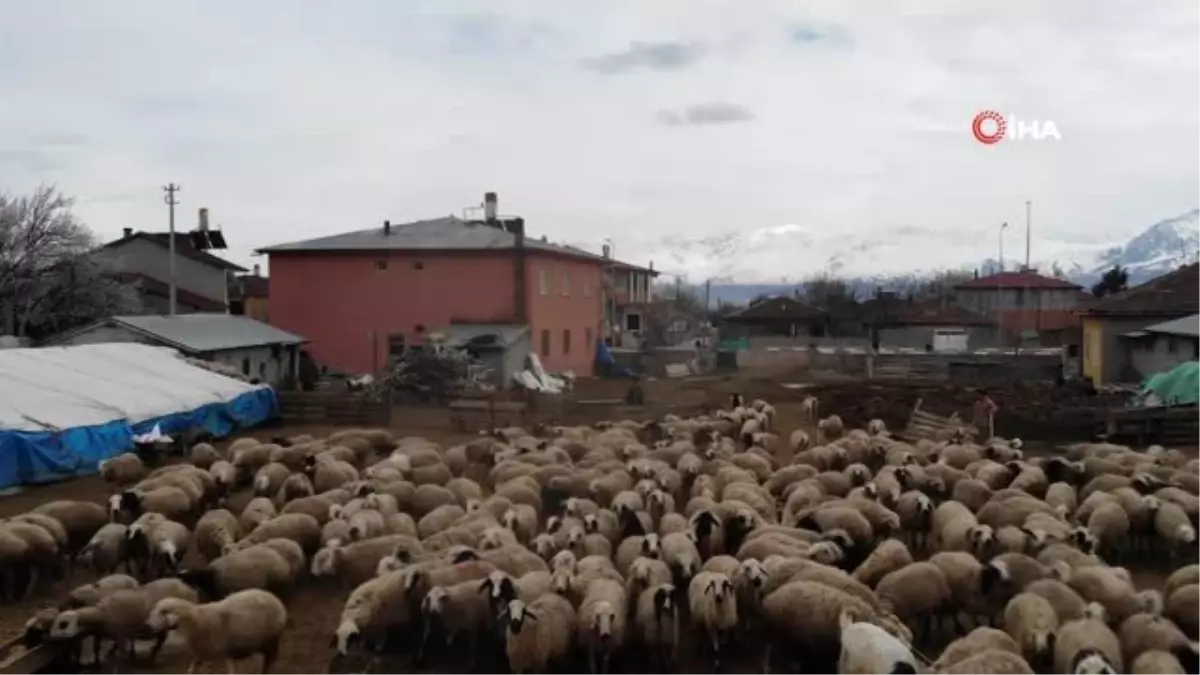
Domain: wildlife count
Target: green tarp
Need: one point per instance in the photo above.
(1178, 386)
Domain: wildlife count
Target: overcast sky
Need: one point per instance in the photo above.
(634, 120)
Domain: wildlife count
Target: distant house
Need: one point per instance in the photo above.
(248, 295)
(253, 348)
(782, 316)
(143, 259)
(1026, 304)
(1107, 355)
(1162, 346)
(925, 324)
(629, 293)
(359, 295)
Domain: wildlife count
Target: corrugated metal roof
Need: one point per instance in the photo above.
(1185, 325)
(208, 332)
(506, 334)
(437, 234)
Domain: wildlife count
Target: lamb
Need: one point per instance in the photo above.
(122, 470)
(245, 623)
(601, 622)
(547, 641)
(867, 648)
(713, 605)
(1032, 621)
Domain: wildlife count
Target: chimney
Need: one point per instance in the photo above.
(257, 270)
(606, 251)
(976, 272)
(387, 227)
(489, 206)
(520, 283)
(128, 232)
(651, 265)
(203, 219)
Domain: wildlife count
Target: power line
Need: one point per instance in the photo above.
(171, 189)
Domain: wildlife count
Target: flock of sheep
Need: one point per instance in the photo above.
(590, 547)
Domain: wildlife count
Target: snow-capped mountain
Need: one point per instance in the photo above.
(786, 255)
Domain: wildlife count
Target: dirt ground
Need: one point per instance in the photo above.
(314, 609)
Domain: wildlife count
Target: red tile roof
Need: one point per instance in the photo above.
(933, 313)
(1019, 279)
(1172, 295)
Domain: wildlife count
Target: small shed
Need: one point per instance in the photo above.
(503, 348)
(931, 323)
(1162, 346)
(257, 350)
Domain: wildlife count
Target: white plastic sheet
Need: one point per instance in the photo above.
(65, 387)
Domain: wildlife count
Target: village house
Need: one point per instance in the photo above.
(248, 295)
(143, 259)
(361, 296)
(1162, 346)
(629, 295)
(254, 349)
(1108, 347)
(776, 317)
(1025, 306)
(938, 325)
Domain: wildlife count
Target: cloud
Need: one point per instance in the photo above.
(706, 113)
(647, 56)
(293, 124)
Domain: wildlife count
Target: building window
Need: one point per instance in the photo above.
(633, 322)
(381, 265)
(587, 339)
(587, 286)
(566, 282)
(544, 281)
(246, 367)
(545, 342)
(396, 344)
(566, 341)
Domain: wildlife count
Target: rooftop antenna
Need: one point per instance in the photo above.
(1028, 226)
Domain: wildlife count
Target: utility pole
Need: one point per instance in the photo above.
(1028, 225)
(171, 189)
(707, 297)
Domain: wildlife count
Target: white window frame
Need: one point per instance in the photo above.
(587, 286)
(543, 281)
(566, 281)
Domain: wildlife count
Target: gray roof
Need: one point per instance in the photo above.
(1185, 325)
(438, 234)
(199, 333)
(507, 334)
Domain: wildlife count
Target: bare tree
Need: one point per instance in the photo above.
(824, 291)
(48, 282)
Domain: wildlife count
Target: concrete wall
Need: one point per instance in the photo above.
(348, 304)
(146, 257)
(1159, 353)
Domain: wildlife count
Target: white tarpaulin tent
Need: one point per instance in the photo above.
(57, 403)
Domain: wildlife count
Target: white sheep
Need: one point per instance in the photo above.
(713, 605)
(867, 649)
(1032, 621)
(243, 624)
(539, 634)
(601, 622)
(459, 609)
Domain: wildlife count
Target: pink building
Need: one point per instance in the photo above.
(358, 295)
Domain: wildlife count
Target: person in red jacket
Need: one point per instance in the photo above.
(985, 410)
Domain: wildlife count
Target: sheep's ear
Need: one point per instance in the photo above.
(709, 588)
(485, 585)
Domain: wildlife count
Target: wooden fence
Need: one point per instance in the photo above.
(333, 408)
(1172, 427)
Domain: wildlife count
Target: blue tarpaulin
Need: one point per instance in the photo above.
(63, 409)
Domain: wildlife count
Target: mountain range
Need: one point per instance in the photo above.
(743, 264)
